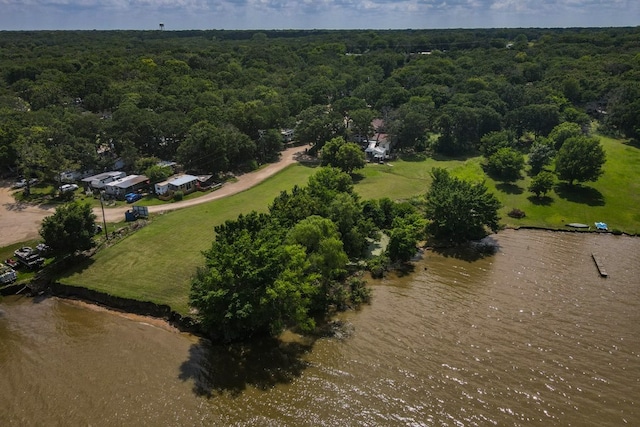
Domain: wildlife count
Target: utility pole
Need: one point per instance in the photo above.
(104, 219)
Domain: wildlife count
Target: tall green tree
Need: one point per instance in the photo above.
(317, 125)
(506, 164)
(408, 125)
(346, 156)
(269, 145)
(406, 231)
(541, 154)
(623, 108)
(493, 141)
(459, 128)
(580, 159)
(321, 240)
(542, 183)
(361, 120)
(32, 153)
(459, 210)
(215, 149)
(69, 229)
(253, 283)
(559, 134)
(158, 173)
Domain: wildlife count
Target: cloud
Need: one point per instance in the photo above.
(269, 14)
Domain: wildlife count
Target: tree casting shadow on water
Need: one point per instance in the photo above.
(230, 368)
(470, 251)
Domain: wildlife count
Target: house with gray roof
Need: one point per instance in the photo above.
(185, 183)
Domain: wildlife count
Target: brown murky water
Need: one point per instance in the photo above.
(529, 336)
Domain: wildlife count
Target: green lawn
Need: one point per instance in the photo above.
(614, 198)
(156, 263)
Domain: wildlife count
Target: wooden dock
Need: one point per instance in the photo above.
(599, 265)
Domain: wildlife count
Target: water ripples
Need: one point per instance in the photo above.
(529, 336)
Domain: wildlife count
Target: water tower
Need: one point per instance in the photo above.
(161, 26)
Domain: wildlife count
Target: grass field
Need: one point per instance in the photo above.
(156, 263)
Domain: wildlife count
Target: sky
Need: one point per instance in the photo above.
(313, 14)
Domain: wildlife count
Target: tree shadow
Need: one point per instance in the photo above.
(509, 188)
(470, 251)
(580, 194)
(356, 177)
(540, 201)
(230, 368)
(69, 266)
(461, 157)
(413, 157)
(404, 268)
(632, 142)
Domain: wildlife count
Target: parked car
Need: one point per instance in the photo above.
(7, 275)
(68, 187)
(23, 183)
(132, 197)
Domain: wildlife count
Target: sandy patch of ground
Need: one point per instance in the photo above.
(20, 221)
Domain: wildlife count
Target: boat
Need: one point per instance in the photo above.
(577, 225)
(601, 226)
(29, 257)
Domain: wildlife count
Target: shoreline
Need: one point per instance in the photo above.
(154, 313)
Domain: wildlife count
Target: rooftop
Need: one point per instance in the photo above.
(128, 181)
(182, 179)
(102, 176)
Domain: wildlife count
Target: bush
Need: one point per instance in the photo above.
(517, 213)
(178, 195)
(377, 266)
(66, 196)
(360, 293)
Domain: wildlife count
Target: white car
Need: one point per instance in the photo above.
(23, 183)
(68, 187)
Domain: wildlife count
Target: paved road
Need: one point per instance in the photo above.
(20, 222)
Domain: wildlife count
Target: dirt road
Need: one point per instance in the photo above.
(20, 222)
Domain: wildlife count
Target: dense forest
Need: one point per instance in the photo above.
(217, 100)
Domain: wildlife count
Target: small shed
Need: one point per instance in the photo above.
(126, 185)
(161, 188)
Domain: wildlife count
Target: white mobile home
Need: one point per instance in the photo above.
(97, 182)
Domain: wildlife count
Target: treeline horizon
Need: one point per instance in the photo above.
(216, 100)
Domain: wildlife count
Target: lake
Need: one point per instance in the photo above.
(531, 335)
